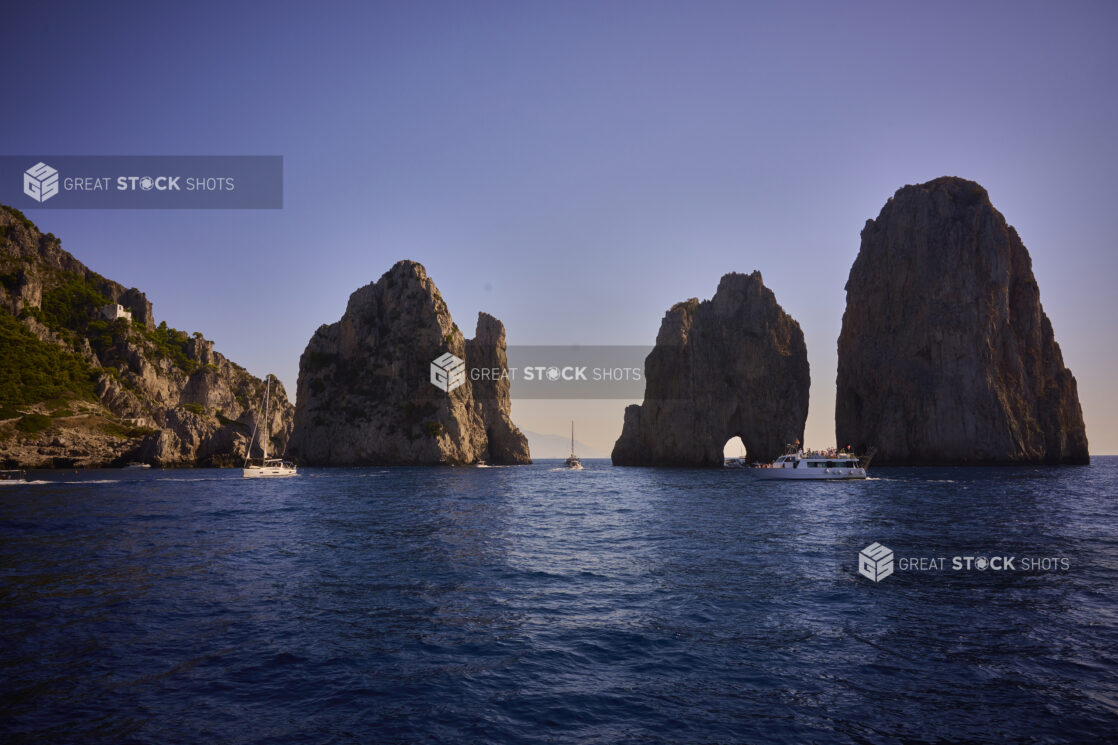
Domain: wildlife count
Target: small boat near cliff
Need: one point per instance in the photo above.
(269, 467)
(13, 477)
(799, 464)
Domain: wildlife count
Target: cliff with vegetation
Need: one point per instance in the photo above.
(946, 356)
(87, 377)
(732, 365)
(365, 395)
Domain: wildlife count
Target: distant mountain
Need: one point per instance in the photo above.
(87, 378)
(558, 446)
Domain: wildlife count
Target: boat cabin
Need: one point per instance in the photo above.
(799, 460)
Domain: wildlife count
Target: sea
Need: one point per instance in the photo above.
(535, 604)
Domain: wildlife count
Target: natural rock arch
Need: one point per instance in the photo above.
(734, 365)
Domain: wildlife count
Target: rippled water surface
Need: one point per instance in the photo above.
(537, 605)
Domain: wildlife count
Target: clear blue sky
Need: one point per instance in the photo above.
(575, 168)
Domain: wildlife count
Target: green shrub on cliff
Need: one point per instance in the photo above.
(172, 344)
(72, 305)
(19, 216)
(33, 424)
(32, 370)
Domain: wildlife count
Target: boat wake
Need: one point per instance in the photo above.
(82, 481)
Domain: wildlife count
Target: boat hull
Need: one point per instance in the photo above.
(267, 473)
(810, 474)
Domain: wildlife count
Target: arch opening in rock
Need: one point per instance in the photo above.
(734, 452)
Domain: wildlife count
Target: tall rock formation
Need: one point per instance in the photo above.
(83, 384)
(946, 356)
(732, 365)
(365, 395)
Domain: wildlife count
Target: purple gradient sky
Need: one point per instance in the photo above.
(576, 168)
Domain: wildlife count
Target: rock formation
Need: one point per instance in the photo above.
(365, 395)
(732, 365)
(946, 356)
(80, 389)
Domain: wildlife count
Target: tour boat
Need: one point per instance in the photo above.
(137, 465)
(269, 467)
(798, 463)
(13, 477)
(572, 460)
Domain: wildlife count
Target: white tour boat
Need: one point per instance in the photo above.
(572, 460)
(18, 476)
(269, 467)
(798, 463)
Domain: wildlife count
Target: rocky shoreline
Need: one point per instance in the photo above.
(90, 380)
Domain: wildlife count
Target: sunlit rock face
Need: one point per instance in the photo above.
(365, 395)
(155, 394)
(946, 356)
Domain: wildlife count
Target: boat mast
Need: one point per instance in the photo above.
(267, 391)
(572, 438)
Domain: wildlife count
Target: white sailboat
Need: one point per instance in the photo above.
(269, 467)
(572, 460)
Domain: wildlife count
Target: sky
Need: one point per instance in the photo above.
(575, 168)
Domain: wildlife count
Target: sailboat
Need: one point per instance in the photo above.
(572, 460)
(269, 467)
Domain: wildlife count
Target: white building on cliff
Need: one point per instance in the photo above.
(115, 311)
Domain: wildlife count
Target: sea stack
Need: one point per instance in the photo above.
(732, 365)
(365, 392)
(946, 356)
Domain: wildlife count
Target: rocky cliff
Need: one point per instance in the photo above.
(79, 387)
(946, 356)
(365, 395)
(732, 365)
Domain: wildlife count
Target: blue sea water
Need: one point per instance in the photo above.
(539, 605)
